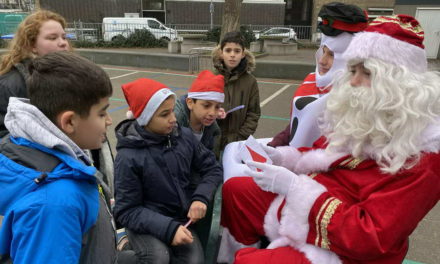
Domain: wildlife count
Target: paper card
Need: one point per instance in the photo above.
(235, 109)
(252, 150)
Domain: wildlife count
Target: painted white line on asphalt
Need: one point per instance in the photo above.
(189, 75)
(123, 75)
(268, 99)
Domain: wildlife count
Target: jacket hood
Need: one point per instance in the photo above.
(183, 118)
(247, 64)
(27, 121)
(22, 68)
(131, 135)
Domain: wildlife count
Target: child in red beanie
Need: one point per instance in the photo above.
(153, 198)
(199, 109)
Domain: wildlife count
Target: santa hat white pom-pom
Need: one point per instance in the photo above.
(129, 114)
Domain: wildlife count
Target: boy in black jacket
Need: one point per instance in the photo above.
(152, 177)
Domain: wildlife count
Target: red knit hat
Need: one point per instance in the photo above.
(394, 39)
(144, 96)
(208, 86)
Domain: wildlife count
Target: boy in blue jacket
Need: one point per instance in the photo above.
(53, 200)
(154, 201)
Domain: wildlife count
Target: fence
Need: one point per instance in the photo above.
(99, 31)
(200, 59)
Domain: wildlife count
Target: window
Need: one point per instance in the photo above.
(153, 4)
(153, 24)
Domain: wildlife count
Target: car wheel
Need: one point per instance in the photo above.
(165, 39)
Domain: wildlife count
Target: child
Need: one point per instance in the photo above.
(339, 23)
(200, 108)
(40, 33)
(53, 210)
(152, 177)
(235, 63)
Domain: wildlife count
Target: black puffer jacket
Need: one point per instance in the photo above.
(12, 84)
(152, 178)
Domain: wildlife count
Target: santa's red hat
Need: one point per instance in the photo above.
(144, 96)
(208, 86)
(396, 39)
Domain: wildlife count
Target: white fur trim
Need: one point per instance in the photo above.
(129, 114)
(317, 160)
(318, 255)
(152, 105)
(430, 138)
(212, 96)
(271, 223)
(290, 157)
(229, 246)
(388, 49)
(294, 226)
(299, 201)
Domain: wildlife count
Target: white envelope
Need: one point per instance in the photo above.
(252, 150)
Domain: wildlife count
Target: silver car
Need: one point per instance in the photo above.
(277, 31)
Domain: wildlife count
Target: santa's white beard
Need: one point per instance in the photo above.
(366, 124)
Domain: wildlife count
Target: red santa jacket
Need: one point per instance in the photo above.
(352, 212)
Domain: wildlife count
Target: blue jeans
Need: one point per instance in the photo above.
(151, 250)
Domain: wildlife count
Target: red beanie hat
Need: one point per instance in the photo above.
(144, 96)
(208, 86)
(394, 39)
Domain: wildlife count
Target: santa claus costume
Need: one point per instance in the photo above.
(339, 22)
(361, 191)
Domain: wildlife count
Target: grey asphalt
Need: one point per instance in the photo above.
(275, 96)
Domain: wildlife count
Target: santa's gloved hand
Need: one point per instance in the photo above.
(274, 154)
(284, 156)
(271, 178)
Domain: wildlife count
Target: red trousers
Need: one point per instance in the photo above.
(243, 210)
(282, 255)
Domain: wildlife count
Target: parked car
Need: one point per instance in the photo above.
(277, 31)
(114, 26)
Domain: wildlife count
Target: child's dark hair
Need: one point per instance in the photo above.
(233, 37)
(61, 81)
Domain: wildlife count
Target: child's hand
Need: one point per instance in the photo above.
(197, 211)
(183, 236)
(221, 113)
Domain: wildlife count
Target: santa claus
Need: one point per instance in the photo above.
(360, 191)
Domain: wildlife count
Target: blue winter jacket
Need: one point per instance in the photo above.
(56, 210)
(152, 178)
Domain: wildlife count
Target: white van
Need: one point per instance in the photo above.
(113, 26)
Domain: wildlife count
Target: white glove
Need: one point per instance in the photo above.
(274, 154)
(284, 156)
(272, 178)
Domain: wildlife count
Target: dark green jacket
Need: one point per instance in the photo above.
(241, 88)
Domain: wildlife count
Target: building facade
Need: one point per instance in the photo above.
(257, 12)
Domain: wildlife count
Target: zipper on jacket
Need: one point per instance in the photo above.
(169, 142)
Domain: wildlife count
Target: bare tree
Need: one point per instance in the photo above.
(231, 16)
